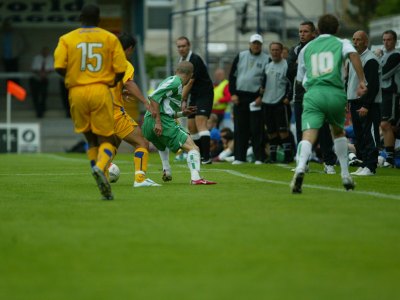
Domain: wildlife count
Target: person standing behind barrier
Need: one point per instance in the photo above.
(222, 96)
(42, 66)
(201, 95)
(307, 33)
(390, 63)
(365, 111)
(276, 105)
(92, 61)
(244, 85)
(12, 47)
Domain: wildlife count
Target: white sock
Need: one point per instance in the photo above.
(204, 133)
(195, 136)
(304, 150)
(164, 155)
(341, 150)
(225, 153)
(193, 161)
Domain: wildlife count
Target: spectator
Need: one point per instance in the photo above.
(276, 104)
(325, 97)
(307, 33)
(89, 82)
(42, 66)
(244, 86)
(201, 95)
(285, 52)
(215, 136)
(12, 47)
(365, 111)
(64, 98)
(222, 96)
(227, 145)
(390, 63)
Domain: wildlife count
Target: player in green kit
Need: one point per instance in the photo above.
(161, 127)
(321, 65)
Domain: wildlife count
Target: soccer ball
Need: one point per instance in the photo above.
(114, 172)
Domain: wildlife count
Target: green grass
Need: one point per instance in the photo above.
(245, 238)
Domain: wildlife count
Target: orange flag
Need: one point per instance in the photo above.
(16, 90)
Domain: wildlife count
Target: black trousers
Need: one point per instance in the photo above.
(39, 89)
(248, 126)
(366, 130)
(324, 136)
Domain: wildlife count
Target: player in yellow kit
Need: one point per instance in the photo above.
(92, 60)
(125, 127)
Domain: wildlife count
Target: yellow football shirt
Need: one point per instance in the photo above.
(89, 55)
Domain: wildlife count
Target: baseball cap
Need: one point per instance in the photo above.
(256, 38)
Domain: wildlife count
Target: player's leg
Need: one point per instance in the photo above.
(312, 119)
(141, 158)
(336, 119)
(282, 117)
(389, 114)
(193, 161)
(102, 124)
(167, 173)
(159, 143)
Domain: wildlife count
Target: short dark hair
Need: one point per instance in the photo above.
(308, 23)
(276, 43)
(328, 24)
(183, 38)
(127, 40)
(90, 15)
(392, 32)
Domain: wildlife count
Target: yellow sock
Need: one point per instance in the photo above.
(105, 156)
(140, 160)
(92, 154)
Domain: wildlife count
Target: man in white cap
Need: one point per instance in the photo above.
(244, 86)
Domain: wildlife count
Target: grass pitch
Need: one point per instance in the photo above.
(247, 237)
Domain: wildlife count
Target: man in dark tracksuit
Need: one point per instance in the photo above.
(307, 33)
(365, 111)
(390, 63)
(244, 86)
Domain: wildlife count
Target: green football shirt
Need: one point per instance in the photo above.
(169, 95)
(321, 62)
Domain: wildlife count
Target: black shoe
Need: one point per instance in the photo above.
(206, 162)
(297, 182)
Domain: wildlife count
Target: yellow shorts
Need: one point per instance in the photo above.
(124, 124)
(92, 109)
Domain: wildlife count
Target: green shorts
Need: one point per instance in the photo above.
(173, 135)
(322, 104)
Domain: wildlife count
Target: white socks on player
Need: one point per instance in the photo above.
(193, 161)
(340, 145)
(165, 159)
(304, 150)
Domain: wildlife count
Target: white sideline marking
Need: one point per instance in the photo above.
(232, 172)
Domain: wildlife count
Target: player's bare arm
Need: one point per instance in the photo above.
(155, 106)
(132, 89)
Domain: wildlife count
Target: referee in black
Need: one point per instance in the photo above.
(201, 92)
